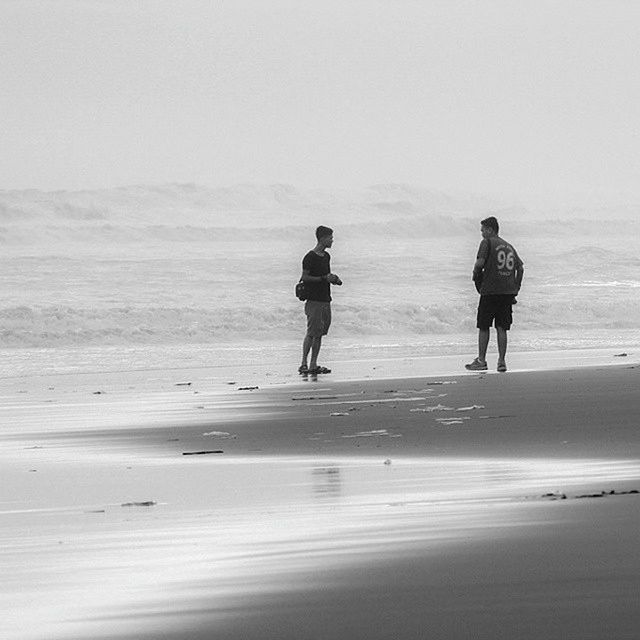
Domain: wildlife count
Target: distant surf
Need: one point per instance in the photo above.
(182, 264)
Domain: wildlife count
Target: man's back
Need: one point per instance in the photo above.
(501, 263)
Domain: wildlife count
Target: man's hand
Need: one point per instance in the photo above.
(334, 279)
(477, 279)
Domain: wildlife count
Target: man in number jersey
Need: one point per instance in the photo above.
(498, 274)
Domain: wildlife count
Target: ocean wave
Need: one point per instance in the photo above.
(596, 284)
(67, 326)
(107, 235)
(55, 326)
(589, 253)
(187, 213)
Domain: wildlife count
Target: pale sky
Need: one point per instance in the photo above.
(502, 97)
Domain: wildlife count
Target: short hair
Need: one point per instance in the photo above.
(321, 232)
(492, 223)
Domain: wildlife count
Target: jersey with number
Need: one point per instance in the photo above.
(501, 263)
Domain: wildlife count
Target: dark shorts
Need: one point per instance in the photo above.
(497, 310)
(318, 318)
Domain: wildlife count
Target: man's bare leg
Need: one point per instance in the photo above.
(502, 345)
(483, 344)
(316, 343)
(306, 348)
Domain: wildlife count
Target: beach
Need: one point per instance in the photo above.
(408, 503)
(171, 172)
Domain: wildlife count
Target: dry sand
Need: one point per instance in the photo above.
(397, 508)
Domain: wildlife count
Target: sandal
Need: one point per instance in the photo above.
(318, 370)
(303, 369)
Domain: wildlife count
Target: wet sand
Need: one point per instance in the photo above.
(427, 507)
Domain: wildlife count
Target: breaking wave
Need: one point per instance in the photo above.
(67, 326)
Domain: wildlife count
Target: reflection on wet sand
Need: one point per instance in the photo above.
(254, 530)
(326, 482)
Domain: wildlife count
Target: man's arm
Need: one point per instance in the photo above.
(331, 278)
(483, 252)
(307, 277)
(519, 275)
(478, 273)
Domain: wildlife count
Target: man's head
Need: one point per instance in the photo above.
(324, 235)
(490, 227)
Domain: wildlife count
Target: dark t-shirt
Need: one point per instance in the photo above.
(317, 265)
(501, 263)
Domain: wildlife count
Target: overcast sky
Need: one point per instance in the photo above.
(514, 97)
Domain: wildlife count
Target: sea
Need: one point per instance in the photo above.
(179, 275)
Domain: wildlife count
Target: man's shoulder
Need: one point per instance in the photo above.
(502, 241)
(484, 248)
(315, 262)
(310, 255)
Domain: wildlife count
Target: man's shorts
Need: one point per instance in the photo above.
(495, 309)
(318, 318)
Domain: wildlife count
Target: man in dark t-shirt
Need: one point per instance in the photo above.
(317, 276)
(497, 274)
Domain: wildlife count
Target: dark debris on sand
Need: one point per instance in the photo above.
(600, 494)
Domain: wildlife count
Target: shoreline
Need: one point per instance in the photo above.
(279, 361)
(343, 369)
